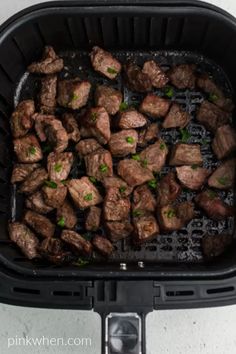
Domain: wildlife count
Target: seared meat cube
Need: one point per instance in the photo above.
(133, 172)
(73, 93)
(213, 206)
(131, 119)
(154, 156)
(143, 199)
(102, 245)
(185, 211)
(49, 64)
(104, 63)
(99, 164)
(168, 190)
(176, 117)
(192, 177)
(174, 218)
(39, 223)
(27, 149)
(223, 177)
(116, 205)
(59, 165)
(83, 192)
(54, 193)
(36, 202)
(136, 79)
(215, 245)
(21, 171)
(123, 142)
(117, 230)
(70, 124)
(183, 76)
(145, 228)
(157, 76)
(87, 146)
(92, 221)
(224, 142)
(24, 238)
(34, 181)
(41, 121)
(148, 134)
(85, 132)
(52, 249)
(185, 154)
(116, 182)
(66, 216)
(47, 95)
(211, 116)
(155, 106)
(77, 242)
(21, 119)
(98, 122)
(109, 98)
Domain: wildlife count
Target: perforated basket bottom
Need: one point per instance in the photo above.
(181, 246)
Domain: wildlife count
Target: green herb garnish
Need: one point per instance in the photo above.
(88, 197)
(81, 262)
(92, 179)
(111, 71)
(144, 163)
(162, 146)
(222, 180)
(185, 135)
(74, 97)
(61, 222)
(211, 194)
(103, 167)
(122, 189)
(170, 213)
(130, 139)
(32, 150)
(194, 167)
(152, 183)
(58, 167)
(213, 97)
(137, 212)
(204, 142)
(64, 182)
(169, 91)
(136, 157)
(93, 116)
(123, 106)
(51, 184)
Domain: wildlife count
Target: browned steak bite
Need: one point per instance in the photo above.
(157, 76)
(133, 172)
(215, 245)
(102, 245)
(27, 149)
(123, 142)
(21, 171)
(83, 192)
(92, 221)
(117, 230)
(117, 182)
(34, 181)
(41, 121)
(85, 132)
(99, 164)
(211, 116)
(192, 177)
(104, 63)
(154, 156)
(54, 193)
(213, 206)
(73, 93)
(168, 190)
(36, 202)
(59, 165)
(155, 106)
(185, 211)
(39, 223)
(183, 76)
(47, 95)
(109, 98)
(176, 117)
(52, 250)
(145, 228)
(172, 218)
(66, 216)
(49, 64)
(136, 79)
(77, 242)
(143, 200)
(70, 124)
(148, 134)
(224, 142)
(131, 119)
(223, 177)
(185, 154)
(21, 119)
(98, 122)
(24, 238)
(116, 205)
(87, 146)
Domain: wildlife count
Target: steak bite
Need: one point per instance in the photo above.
(224, 142)
(52, 250)
(73, 93)
(173, 218)
(118, 230)
(213, 206)
(70, 124)
(123, 142)
(176, 118)
(59, 165)
(116, 206)
(109, 98)
(168, 190)
(34, 181)
(145, 228)
(154, 156)
(39, 223)
(104, 63)
(83, 192)
(21, 171)
(211, 116)
(183, 76)
(47, 95)
(66, 216)
(148, 134)
(77, 242)
(36, 202)
(27, 149)
(155, 106)
(185, 211)
(92, 221)
(223, 177)
(24, 238)
(133, 172)
(21, 119)
(215, 245)
(99, 164)
(102, 245)
(49, 64)
(192, 177)
(185, 154)
(143, 199)
(54, 193)
(87, 146)
(116, 182)
(131, 119)
(136, 79)
(98, 122)
(157, 76)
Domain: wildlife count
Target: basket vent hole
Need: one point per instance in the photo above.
(180, 293)
(220, 290)
(26, 291)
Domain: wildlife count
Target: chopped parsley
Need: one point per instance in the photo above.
(122, 189)
(103, 167)
(204, 142)
(130, 139)
(144, 163)
(51, 184)
(170, 213)
(92, 179)
(64, 181)
(123, 106)
(32, 150)
(185, 135)
(61, 222)
(152, 183)
(213, 97)
(194, 167)
(136, 157)
(81, 262)
(74, 97)
(169, 91)
(137, 212)
(222, 180)
(88, 197)
(211, 194)
(93, 116)
(162, 146)
(58, 167)
(111, 70)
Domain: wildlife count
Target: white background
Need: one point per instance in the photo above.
(201, 331)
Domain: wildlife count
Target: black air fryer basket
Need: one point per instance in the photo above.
(169, 272)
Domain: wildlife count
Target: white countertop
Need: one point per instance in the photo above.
(198, 331)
